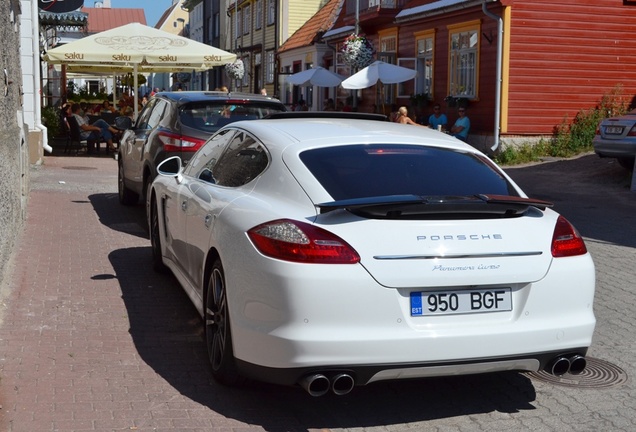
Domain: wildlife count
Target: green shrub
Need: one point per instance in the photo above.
(569, 138)
(51, 119)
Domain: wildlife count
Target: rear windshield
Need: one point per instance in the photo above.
(359, 171)
(209, 116)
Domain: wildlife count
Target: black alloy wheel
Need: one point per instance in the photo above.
(217, 329)
(126, 196)
(155, 239)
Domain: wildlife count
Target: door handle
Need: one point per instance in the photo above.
(207, 220)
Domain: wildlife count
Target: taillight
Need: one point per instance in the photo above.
(173, 142)
(301, 242)
(632, 132)
(566, 240)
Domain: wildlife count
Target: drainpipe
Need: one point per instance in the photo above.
(36, 79)
(499, 67)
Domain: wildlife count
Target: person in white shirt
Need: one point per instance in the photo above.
(96, 131)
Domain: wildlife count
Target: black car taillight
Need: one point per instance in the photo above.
(173, 142)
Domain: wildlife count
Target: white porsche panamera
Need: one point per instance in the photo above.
(331, 251)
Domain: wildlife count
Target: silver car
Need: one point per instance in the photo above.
(616, 138)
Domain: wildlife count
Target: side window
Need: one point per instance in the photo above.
(203, 161)
(157, 113)
(241, 162)
(142, 120)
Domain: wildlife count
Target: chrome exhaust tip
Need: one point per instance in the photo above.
(342, 383)
(577, 364)
(315, 384)
(559, 366)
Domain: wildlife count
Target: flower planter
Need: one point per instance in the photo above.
(357, 51)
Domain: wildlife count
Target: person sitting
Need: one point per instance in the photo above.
(93, 133)
(438, 119)
(462, 125)
(129, 112)
(403, 117)
(106, 107)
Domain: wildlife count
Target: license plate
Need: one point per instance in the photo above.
(461, 302)
(613, 130)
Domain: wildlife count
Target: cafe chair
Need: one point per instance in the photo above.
(74, 140)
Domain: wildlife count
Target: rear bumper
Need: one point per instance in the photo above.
(620, 148)
(290, 320)
(366, 374)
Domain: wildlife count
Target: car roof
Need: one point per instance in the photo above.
(198, 96)
(342, 128)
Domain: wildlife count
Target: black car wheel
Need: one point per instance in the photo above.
(155, 239)
(126, 196)
(217, 329)
(627, 163)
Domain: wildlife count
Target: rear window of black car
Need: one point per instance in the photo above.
(359, 171)
(209, 116)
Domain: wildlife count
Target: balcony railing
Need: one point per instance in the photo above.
(372, 12)
(366, 5)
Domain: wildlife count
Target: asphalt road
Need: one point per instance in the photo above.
(92, 339)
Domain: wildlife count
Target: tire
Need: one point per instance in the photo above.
(627, 163)
(218, 336)
(126, 196)
(155, 239)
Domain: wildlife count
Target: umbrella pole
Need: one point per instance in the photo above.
(382, 97)
(135, 80)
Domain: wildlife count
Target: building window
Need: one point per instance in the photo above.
(237, 22)
(463, 61)
(271, 63)
(388, 43)
(217, 25)
(258, 19)
(425, 43)
(247, 16)
(387, 53)
(271, 12)
(247, 74)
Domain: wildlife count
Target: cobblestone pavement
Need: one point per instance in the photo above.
(92, 339)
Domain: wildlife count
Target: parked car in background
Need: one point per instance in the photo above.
(331, 250)
(616, 137)
(177, 124)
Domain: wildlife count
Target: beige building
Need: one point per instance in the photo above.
(256, 29)
(175, 20)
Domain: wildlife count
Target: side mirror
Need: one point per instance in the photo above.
(123, 123)
(170, 167)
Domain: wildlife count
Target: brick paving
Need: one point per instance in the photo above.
(91, 339)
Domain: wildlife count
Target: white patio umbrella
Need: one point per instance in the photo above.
(137, 48)
(318, 76)
(386, 73)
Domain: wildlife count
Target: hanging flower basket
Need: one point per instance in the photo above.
(235, 70)
(357, 51)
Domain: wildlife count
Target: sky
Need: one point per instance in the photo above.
(152, 8)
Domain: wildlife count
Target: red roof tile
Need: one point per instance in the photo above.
(315, 26)
(100, 19)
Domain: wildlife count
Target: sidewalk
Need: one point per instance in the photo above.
(91, 339)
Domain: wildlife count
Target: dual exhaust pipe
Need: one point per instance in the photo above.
(567, 364)
(341, 383)
(319, 384)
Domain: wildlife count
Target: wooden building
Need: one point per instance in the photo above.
(523, 66)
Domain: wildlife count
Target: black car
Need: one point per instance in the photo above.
(177, 124)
